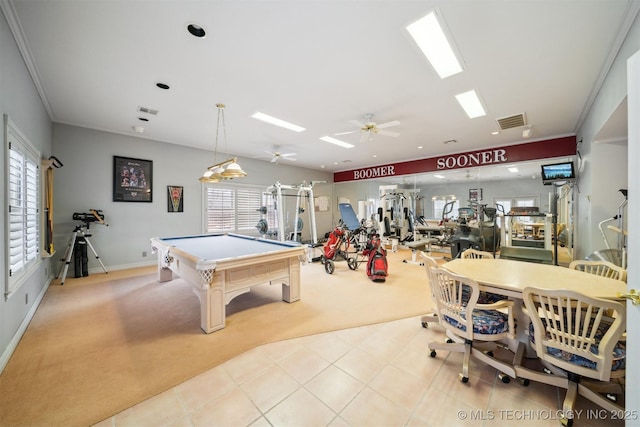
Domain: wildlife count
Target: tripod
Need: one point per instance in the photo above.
(77, 235)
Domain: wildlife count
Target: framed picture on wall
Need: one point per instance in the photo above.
(175, 198)
(132, 180)
(475, 194)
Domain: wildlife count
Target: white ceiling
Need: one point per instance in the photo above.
(318, 64)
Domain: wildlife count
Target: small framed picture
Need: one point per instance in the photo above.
(132, 180)
(175, 198)
(475, 194)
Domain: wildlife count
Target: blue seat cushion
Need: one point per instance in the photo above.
(485, 322)
(483, 298)
(619, 352)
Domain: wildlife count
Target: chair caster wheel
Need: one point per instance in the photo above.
(463, 379)
(425, 325)
(433, 353)
(504, 378)
(566, 421)
(524, 381)
(449, 340)
(490, 353)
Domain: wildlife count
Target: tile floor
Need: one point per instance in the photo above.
(378, 375)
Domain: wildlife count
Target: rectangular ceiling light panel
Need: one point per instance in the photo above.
(429, 34)
(471, 104)
(337, 142)
(277, 122)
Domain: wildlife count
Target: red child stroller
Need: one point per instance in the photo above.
(377, 267)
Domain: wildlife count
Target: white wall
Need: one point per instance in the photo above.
(633, 282)
(605, 168)
(85, 182)
(19, 99)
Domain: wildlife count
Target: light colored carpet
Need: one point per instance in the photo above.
(100, 344)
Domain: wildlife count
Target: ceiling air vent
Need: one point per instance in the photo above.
(148, 110)
(512, 121)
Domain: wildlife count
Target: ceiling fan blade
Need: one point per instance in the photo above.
(357, 123)
(291, 159)
(274, 160)
(388, 133)
(388, 124)
(288, 154)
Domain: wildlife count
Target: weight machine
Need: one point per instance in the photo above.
(78, 236)
(304, 192)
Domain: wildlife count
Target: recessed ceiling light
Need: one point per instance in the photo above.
(337, 142)
(138, 129)
(196, 30)
(495, 133)
(439, 176)
(277, 122)
(420, 147)
(513, 169)
(471, 104)
(375, 155)
(163, 86)
(429, 34)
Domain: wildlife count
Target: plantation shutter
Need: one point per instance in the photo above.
(248, 205)
(23, 201)
(220, 209)
(17, 257)
(234, 208)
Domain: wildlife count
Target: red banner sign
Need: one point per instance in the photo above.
(557, 147)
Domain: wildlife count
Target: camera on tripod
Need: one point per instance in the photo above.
(95, 215)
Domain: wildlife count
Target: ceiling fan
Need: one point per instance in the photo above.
(370, 128)
(276, 155)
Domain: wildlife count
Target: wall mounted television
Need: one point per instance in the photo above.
(556, 172)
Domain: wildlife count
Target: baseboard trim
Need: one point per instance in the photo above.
(13, 344)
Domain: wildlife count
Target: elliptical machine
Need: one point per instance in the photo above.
(618, 255)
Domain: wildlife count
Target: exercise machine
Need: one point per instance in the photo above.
(617, 255)
(78, 243)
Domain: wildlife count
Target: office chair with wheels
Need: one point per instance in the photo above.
(601, 268)
(579, 345)
(476, 254)
(473, 328)
(429, 265)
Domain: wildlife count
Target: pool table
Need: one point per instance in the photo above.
(222, 266)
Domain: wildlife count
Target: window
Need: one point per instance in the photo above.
(439, 203)
(23, 229)
(236, 208)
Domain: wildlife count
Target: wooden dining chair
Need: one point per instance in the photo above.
(485, 297)
(476, 254)
(601, 268)
(473, 328)
(578, 343)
